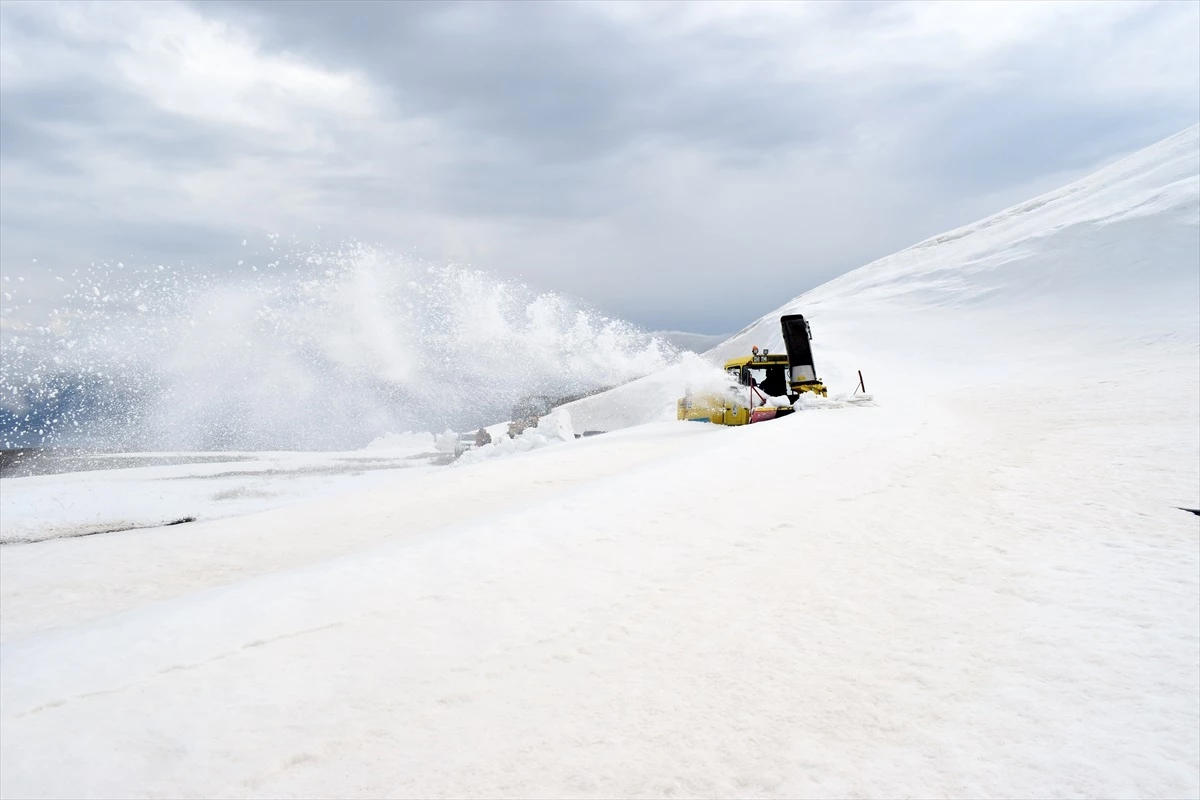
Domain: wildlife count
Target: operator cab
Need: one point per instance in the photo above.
(767, 372)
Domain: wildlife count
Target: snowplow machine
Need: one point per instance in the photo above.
(769, 384)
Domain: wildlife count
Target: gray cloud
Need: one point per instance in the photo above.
(686, 166)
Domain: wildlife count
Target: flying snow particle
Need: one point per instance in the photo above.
(243, 242)
(240, 262)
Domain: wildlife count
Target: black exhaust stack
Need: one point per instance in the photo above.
(796, 336)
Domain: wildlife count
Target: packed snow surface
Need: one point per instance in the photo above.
(979, 585)
(52, 506)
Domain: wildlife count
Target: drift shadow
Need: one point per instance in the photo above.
(80, 534)
(347, 466)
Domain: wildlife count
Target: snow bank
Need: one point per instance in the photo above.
(446, 441)
(554, 428)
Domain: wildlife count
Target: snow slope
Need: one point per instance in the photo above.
(979, 586)
(1109, 257)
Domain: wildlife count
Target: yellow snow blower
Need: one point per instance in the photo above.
(770, 383)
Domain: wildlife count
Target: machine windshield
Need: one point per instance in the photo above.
(770, 380)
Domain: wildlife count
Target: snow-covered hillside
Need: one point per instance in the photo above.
(1114, 253)
(1112, 256)
(981, 585)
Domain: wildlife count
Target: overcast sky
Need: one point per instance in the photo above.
(687, 166)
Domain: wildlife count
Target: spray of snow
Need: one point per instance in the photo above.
(407, 441)
(320, 350)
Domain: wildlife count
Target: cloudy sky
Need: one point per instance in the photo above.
(686, 166)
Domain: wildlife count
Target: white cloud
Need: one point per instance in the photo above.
(879, 45)
(588, 147)
(185, 64)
